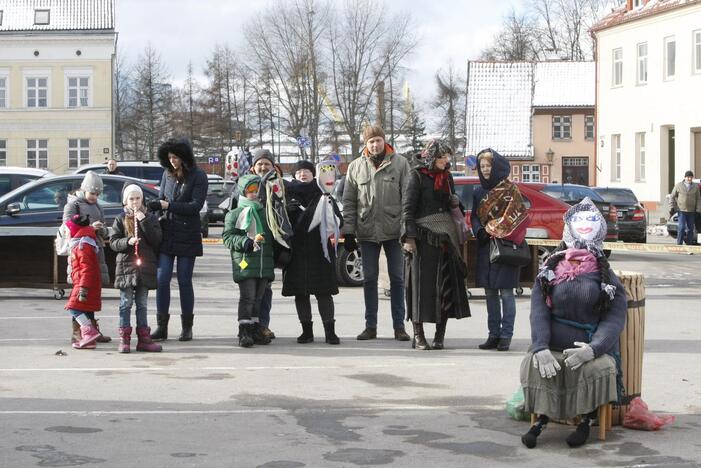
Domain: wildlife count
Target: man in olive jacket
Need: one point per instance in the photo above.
(687, 198)
(372, 206)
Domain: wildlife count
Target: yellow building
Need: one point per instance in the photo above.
(56, 74)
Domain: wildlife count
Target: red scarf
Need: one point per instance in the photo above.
(440, 178)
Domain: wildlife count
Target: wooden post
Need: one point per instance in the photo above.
(632, 338)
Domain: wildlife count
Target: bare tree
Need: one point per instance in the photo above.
(450, 102)
(122, 96)
(516, 41)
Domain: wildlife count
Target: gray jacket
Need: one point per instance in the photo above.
(687, 200)
(372, 198)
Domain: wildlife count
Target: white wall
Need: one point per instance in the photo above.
(649, 108)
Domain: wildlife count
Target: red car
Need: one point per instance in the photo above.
(545, 211)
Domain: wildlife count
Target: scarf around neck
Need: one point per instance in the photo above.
(249, 218)
(574, 263)
(441, 179)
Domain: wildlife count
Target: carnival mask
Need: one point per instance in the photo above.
(326, 172)
(585, 224)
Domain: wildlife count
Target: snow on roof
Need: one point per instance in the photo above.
(499, 108)
(564, 84)
(64, 15)
(622, 15)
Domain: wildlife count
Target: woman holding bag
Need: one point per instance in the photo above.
(497, 212)
(435, 273)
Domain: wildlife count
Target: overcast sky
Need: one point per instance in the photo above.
(184, 30)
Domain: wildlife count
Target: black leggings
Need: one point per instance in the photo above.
(250, 296)
(304, 307)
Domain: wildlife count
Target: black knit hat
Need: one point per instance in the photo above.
(262, 153)
(304, 164)
(688, 174)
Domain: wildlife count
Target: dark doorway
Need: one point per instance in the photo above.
(575, 170)
(670, 160)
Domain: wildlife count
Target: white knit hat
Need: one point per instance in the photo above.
(129, 189)
(92, 182)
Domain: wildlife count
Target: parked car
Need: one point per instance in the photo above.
(673, 227)
(150, 171)
(13, 177)
(217, 192)
(632, 223)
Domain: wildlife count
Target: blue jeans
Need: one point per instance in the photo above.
(127, 297)
(685, 222)
(370, 253)
(75, 313)
(186, 266)
(266, 303)
(500, 317)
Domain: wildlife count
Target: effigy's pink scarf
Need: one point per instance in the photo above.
(567, 271)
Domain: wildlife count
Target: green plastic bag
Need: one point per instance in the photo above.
(514, 407)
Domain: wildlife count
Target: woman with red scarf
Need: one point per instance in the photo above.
(435, 272)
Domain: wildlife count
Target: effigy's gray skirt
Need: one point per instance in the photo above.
(570, 393)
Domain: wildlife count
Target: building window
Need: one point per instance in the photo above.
(638, 3)
(640, 156)
(41, 17)
(562, 127)
(642, 63)
(37, 92)
(530, 173)
(670, 57)
(3, 152)
(0, 17)
(38, 153)
(615, 157)
(78, 91)
(617, 67)
(697, 51)
(3, 92)
(78, 152)
(588, 127)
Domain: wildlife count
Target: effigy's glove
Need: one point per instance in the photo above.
(546, 363)
(575, 357)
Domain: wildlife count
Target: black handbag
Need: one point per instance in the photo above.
(505, 252)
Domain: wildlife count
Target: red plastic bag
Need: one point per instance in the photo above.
(641, 418)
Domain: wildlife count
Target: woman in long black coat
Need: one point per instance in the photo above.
(310, 271)
(182, 194)
(435, 272)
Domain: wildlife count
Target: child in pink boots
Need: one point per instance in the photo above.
(135, 237)
(86, 296)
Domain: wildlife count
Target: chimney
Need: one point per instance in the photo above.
(629, 5)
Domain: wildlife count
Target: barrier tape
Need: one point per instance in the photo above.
(613, 246)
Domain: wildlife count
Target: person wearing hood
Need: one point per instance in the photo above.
(578, 311)
(136, 235)
(498, 211)
(316, 220)
(249, 239)
(84, 202)
(372, 207)
(182, 194)
(435, 271)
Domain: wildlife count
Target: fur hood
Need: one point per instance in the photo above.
(181, 148)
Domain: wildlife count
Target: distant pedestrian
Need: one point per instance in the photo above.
(687, 198)
(372, 204)
(182, 194)
(498, 211)
(435, 270)
(136, 236)
(250, 241)
(112, 168)
(86, 295)
(316, 220)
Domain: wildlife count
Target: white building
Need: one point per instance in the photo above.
(648, 96)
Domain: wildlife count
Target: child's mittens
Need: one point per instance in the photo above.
(83, 295)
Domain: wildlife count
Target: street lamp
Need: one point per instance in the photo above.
(549, 154)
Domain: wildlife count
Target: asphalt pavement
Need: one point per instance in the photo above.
(376, 403)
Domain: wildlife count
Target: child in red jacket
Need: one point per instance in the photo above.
(86, 296)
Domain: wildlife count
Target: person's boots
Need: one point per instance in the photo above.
(102, 338)
(186, 334)
(88, 337)
(529, 439)
(124, 340)
(491, 343)
(504, 344)
(401, 335)
(257, 334)
(419, 341)
(75, 337)
(581, 434)
(368, 334)
(145, 342)
(330, 331)
(440, 335)
(161, 332)
(245, 338)
(307, 335)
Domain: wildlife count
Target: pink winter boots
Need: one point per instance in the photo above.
(144, 343)
(88, 335)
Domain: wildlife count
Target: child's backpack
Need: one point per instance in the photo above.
(62, 241)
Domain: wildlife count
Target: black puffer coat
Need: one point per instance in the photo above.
(181, 221)
(308, 272)
(127, 272)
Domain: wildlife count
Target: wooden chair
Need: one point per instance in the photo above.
(605, 418)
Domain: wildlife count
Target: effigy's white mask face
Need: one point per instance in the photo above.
(585, 224)
(326, 177)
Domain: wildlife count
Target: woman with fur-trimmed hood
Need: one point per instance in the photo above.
(182, 194)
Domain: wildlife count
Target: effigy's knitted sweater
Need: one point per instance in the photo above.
(575, 300)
